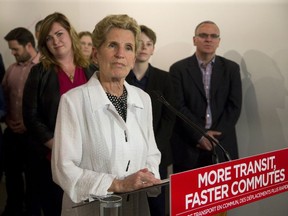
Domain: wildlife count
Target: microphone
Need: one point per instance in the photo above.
(194, 126)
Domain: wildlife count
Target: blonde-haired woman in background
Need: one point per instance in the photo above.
(86, 45)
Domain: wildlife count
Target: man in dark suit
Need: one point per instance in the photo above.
(150, 79)
(208, 91)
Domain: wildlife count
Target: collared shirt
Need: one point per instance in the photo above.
(206, 74)
(140, 83)
(13, 86)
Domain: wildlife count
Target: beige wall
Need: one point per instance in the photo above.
(253, 33)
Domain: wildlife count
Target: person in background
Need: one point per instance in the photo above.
(86, 43)
(208, 92)
(37, 29)
(107, 143)
(150, 79)
(16, 145)
(2, 68)
(62, 68)
(2, 114)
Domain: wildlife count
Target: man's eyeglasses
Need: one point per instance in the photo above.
(205, 36)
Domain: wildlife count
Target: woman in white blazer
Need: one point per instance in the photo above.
(104, 140)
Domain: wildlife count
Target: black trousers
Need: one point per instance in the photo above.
(15, 164)
(204, 159)
(29, 183)
(1, 153)
(49, 194)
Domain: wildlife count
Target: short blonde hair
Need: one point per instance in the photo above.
(121, 21)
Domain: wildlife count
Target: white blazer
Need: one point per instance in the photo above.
(93, 144)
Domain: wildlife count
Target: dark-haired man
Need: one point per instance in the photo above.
(22, 45)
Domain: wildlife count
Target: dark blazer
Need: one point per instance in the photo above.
(40, 103)
(225, 102)
(163, 119)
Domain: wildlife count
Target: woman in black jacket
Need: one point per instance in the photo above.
(62, 68)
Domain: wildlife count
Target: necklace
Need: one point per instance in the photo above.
(70, 72)
(71, 77)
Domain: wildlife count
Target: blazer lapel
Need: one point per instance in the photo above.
(195, 73)
(216, 76)
(151, 80)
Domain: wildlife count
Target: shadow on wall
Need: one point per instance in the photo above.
(280, 57)
(263, 120)
(246, 124)
(259, 128)
(177, 51)
(271, 93)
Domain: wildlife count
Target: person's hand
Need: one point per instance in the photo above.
(16, 126)
(141, 179)
(49, 143)
(205, 144)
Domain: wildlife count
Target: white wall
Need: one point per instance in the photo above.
(253, 33)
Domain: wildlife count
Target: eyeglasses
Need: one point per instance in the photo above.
(84, 44)
(205, 36)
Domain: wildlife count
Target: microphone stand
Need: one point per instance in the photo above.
(215, 158)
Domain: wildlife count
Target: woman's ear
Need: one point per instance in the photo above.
(94, 55)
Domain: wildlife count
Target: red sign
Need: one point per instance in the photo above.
(218, 188)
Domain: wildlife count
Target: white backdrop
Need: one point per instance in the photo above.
(253, 33)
